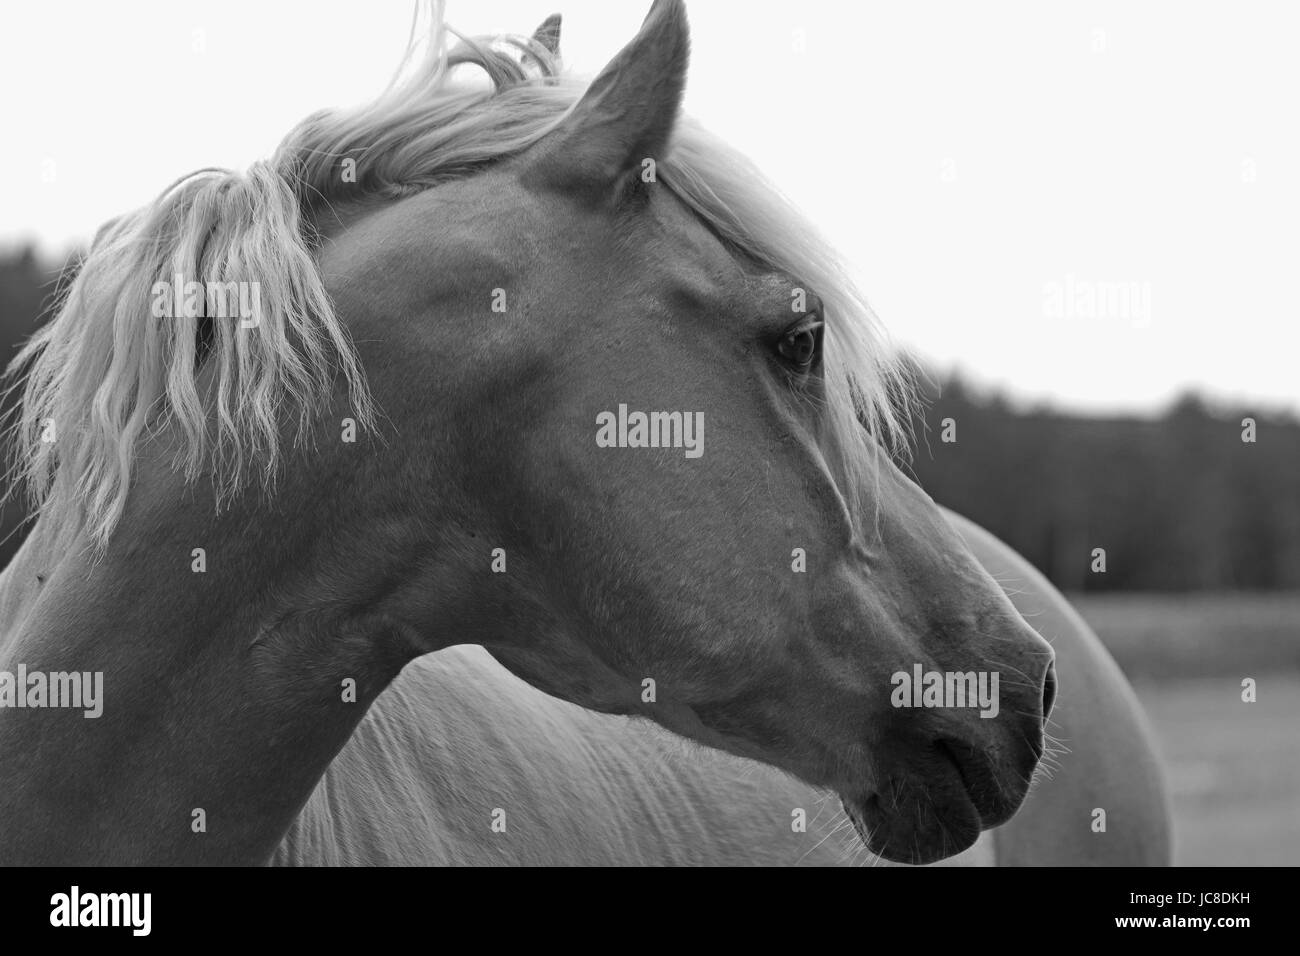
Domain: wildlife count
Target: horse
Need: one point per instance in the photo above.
(384, 570)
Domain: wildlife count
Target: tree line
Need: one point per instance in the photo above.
(1191, 499)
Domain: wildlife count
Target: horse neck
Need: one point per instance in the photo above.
(220, 709)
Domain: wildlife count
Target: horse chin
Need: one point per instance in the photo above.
(917, 825)
(936, 806)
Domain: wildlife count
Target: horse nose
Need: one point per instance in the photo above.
(1049, 690)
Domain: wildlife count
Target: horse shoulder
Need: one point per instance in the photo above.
(1105, 771)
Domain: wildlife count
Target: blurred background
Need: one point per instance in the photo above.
(1201, 589)
(1079, 220)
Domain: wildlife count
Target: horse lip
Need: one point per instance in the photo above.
(860, 809)
(980, 794)
(979, 780)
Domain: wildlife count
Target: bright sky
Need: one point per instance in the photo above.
(1092, 203)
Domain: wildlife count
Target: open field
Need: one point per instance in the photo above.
(1216, 635)
(1233, 767)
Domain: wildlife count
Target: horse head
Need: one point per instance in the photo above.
(625, 370)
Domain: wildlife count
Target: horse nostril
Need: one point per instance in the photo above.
(1049, 690)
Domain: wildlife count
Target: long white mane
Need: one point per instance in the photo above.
(106, 373)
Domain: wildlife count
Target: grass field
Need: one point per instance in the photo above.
(1164, 636)
(1233, 767)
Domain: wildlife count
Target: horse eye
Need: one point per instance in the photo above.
(801, 346)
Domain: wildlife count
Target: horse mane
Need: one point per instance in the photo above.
(105, 374)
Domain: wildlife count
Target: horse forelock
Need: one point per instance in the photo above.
(106, 372)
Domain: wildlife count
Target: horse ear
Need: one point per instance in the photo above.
(626, 115)
(547, 36)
